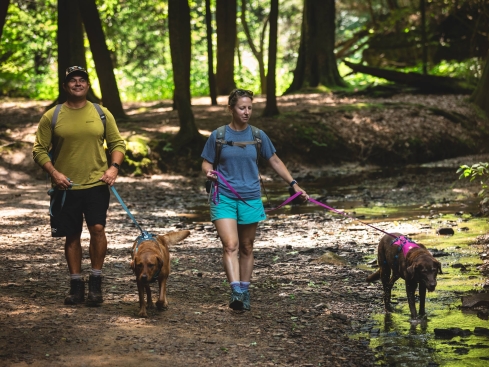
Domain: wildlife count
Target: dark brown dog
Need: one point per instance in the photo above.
(151, 261)
(417, 267)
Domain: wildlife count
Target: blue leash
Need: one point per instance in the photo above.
(144, 236)
(144, 233)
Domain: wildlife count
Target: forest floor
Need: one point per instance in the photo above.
(304, 307)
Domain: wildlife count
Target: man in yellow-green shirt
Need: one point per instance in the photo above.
(80, 176)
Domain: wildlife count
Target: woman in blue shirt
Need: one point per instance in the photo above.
(236, 220)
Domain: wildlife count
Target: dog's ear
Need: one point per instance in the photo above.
(410, 271)
(160, 262)
(438, 265)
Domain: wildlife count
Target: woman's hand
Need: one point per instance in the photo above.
(304, 197)
(207, 168)
(211, 176)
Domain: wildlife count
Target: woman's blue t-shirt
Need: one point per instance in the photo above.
(237, 164)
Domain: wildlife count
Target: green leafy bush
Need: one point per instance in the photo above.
(478, 170)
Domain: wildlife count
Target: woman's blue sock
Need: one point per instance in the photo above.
(236, 287)
(244, 286)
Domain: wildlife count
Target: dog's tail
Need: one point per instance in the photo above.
(173, 238)
(374, 276)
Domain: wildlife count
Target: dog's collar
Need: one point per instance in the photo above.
(144, 236)
(405, 244)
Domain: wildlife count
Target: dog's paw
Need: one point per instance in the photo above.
(161, 305)
(142, 313)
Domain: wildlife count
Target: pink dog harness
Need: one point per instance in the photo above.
(405, 244)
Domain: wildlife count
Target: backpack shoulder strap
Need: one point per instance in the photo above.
(101, 114)
(54, 119)
(257, 138)
(221, 131)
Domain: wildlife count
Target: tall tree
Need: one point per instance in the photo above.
(101, 55)
(480, 97)
(424, 46)
(316, 63)
(71, 50)
(271, 108)
(180, 46)
(226, 42)
(257, 51)
(3, 14)
(210, 54)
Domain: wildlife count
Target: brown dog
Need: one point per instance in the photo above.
(409, 261)
(151, 261)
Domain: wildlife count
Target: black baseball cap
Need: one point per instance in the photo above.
(76, 70)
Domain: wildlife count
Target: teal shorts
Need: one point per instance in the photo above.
(237, 210)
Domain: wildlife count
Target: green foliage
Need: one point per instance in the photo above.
(28, 50)
(141, 54)
(480, 170)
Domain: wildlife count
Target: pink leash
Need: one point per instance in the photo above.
(215, 199)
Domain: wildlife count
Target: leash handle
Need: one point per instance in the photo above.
(216, 189)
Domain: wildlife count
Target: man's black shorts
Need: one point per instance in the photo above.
(67, 215)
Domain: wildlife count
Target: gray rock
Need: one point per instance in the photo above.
(480, 299)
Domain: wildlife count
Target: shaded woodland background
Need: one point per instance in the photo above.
(154, 50)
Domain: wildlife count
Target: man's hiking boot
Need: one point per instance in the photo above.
(94, 291)
(236, 301)
(77, 292)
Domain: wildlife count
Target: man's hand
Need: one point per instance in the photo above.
(61, 181)
(110, 176)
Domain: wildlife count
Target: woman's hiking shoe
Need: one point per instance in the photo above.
(236, 301)
(246, 301)
(77, 292)
(94, 291)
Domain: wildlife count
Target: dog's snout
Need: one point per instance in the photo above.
(431, 286)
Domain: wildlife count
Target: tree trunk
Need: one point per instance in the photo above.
(226, 41)
(480, 97)
(424, 46)
(271, 108)
(210, 54)
(3, 14)
(180, 47)
(299, 72)
(103, 63)
(257, 52)
(427, 83)
(71, 50)
(316, 63)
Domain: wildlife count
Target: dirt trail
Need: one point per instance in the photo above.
(303, 309)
